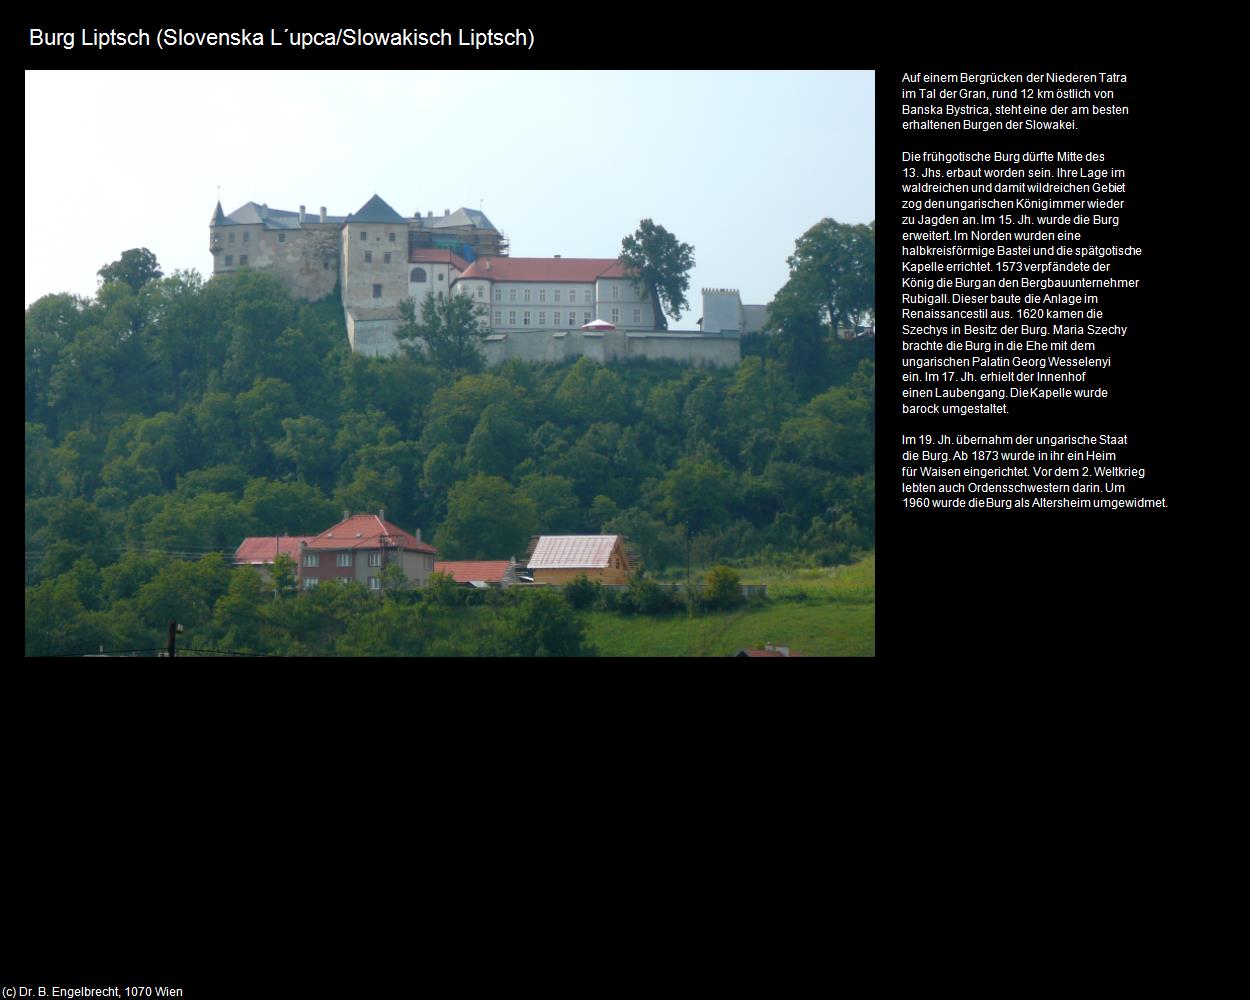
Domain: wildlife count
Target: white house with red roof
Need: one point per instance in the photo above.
(359, 548)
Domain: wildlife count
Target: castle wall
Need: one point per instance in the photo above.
(365, 265)
(554, 346)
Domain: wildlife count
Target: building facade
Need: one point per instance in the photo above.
(359, 548)
(532, 309)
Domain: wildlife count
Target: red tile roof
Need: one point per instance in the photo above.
(490, 571)
(367, 531)
(429, 255)
(579, 269)
(261, 551)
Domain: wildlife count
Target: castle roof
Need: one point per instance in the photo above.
(436, 255)
(376, 210)
(460, 217)
(253, 214)
(219, 217)
(578, 269)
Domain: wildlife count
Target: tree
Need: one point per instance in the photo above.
(486, 519)
(659, 264)
(135, 268)
(448, 331)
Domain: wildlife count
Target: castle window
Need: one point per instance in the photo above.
(498, 294)
(588, 298)
(441, 276)
(247, 237)
(242, 260)
(555, 321)
(557, 295)
(386, 257)
(230, 238)
(527, 295)
(363, 235)
(616, 315)
(377, 291)
(368, 256)
(512, 319)
(637, 315)
(542, 295)
(282, 237)
(498, 318)
(325, 265)
(542, 319)
(616, 291)
(526, 318)
(511, 294)
(391, 237)
(585, 317)
(229, 260)
(418, 276)
(479, 291)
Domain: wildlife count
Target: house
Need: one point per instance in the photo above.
(360, 547)
(480, 573)
(558, 559)
(260, 552)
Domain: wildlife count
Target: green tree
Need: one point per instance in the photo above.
(448, 332)
(721, 588)
(486, 519)
(135, 268)
(659, 265)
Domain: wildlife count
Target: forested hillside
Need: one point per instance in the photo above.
(168, 418)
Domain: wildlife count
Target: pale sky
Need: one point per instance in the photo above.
(737, 163)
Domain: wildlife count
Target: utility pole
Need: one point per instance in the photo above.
(173, 631)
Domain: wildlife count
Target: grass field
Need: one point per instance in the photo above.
(817, 612)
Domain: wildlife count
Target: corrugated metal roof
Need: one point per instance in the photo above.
(573, 551)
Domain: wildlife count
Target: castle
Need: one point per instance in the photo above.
(534, 308)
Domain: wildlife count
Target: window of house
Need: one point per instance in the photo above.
(375, 583)
(386, 257)
(377, 291)
(310, 582)
(542, 295)
(229, 260)
(242, 260)
(375, 558)
(542, 319)
(343, 559)
(418, 276)
(312, 559)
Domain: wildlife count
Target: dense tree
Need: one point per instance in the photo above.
(486, 519)
(134, 269)
(660, 266)
(448, 332)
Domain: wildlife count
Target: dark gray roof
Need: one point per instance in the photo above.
(253, 214)
(460, 217)
(376, 210)
(219, 217)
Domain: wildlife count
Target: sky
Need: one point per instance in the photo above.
(739, 164)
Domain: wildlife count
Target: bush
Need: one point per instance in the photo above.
(646, 597)
(580, 592)
(607, 599)
(722, 588)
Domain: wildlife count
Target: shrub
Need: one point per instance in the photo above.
(580, 592)
(722, 588)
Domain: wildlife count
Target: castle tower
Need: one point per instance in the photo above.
(374, 261)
